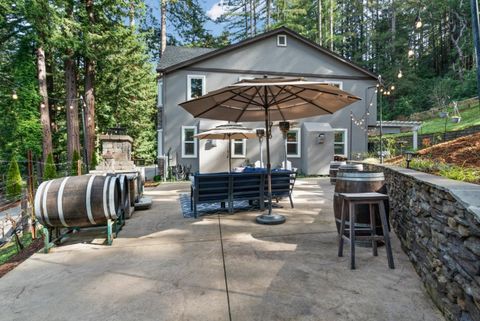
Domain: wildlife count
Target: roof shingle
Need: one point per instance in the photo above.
(174, 55)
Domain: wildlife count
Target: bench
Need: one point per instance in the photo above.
(229, 187)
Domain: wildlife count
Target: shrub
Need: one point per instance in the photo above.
(14, 180)
(75, 159)
(49, 172)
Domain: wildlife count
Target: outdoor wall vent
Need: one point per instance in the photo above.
(282, 40)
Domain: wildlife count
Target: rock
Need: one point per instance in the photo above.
(463, 231)
(473, 244)
(452, 222)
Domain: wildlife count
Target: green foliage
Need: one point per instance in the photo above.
(451, 171)
(75, 158)
(10, 249)
(14, 180)
(49, 171)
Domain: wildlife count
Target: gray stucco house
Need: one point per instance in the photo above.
(185, 73)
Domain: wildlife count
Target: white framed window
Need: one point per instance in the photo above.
(338, 84)
(160, 93)
(239, 148)
(281, 40)
(340, 142)
(294, 143)
(196, 86)
(189, 142)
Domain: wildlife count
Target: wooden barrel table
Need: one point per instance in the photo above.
(350, 168)
(334, 169)
(78, 201)
(359, 182)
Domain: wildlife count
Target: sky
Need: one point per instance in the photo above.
(213, 8)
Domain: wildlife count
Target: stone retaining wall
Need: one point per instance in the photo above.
(438, 223)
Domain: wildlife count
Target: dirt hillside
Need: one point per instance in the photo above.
(463, 151)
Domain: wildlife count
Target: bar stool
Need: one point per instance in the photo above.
(350, 200)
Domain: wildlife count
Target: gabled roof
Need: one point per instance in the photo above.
(174, 55)
(167, 67)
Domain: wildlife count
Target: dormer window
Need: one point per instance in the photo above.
(281, 40)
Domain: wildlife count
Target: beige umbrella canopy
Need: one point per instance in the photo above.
(228, 132)
(269, 99)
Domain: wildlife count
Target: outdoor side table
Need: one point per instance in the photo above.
(372, 199)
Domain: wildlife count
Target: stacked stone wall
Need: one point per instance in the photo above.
(438, 223)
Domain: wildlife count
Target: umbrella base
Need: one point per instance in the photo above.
(272, 219)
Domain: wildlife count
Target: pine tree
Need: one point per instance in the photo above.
(14, 180)
(50, 171)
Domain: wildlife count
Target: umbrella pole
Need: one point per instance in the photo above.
(229, 154)
(269, 218)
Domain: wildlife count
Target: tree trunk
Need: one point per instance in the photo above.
(90, 92)
(319, 25)
(269, 5)
(131, 14)
(163, 21)
(331, 25)
(73, 132)
(47, 146)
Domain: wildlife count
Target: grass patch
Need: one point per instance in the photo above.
(10, 249)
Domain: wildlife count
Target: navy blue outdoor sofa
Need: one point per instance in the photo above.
(251, 185)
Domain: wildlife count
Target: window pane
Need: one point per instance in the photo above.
(339, 149)
(189, 148)
(196, 86)
(189, 135)
(292, 149)
(238, 149)
(339, 137)
(292, 137)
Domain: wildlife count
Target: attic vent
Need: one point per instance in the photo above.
(281, 40)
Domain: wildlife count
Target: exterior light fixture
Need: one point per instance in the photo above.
(408, 157)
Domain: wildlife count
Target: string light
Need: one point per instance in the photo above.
(418, 22)
(400, 74)
(42, 105)
(392, 87)
(71, 106)
(411, 53)
(14, 95)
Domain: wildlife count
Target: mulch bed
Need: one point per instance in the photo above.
(20, 257)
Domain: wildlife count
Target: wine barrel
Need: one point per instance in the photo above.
(359, 182)
(125, 192)
(132, 185)
(350, 168)
(334, 169)
(78, 201)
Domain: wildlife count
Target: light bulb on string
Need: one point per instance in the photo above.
(418, 22)
(411, 53)
(71, 106)
(14, 95)
(42, 105)
(400, 74)
(392, 87)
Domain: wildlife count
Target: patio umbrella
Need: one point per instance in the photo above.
(229, 131)
(269, 99)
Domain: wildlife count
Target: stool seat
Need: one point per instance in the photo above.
(363, 196)
(350, 201)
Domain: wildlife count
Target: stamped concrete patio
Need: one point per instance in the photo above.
(219, 267)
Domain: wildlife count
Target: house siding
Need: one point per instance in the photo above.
(262, 57)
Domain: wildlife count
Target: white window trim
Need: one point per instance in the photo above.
(279, 44)
(160, 93)
(299, 143)
(333, 82)
(345, 131)
(195, 142)
(189, 88)
(245, 78)
(244, 149)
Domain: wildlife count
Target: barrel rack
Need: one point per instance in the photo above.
(112, 226)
